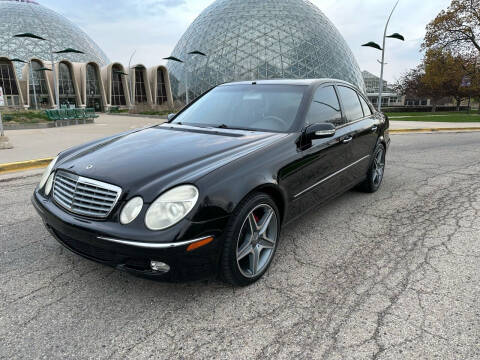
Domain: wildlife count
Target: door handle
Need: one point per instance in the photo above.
(374, 128)
(347, 139)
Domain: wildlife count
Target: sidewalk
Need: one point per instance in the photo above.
(401, 125)
(46, 143)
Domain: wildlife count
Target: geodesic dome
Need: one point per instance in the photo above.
(260, 39)
(27, 16)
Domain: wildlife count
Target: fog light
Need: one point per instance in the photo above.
(159, 266)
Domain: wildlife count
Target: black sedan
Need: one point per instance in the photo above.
(209, 191)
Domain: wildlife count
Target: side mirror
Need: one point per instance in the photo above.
(170, 116)
(319, 131)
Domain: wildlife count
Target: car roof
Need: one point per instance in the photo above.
(304, 82)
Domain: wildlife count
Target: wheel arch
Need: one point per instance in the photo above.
(276, 194)
(272, 190)
(383, 141)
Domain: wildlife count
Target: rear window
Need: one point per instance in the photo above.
(351, 103)
(366, 109)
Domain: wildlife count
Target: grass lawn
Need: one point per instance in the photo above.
(440, 116)
(24, 117)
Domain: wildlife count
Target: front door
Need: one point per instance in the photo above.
(320, 170)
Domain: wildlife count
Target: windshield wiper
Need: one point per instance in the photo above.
(224, 126)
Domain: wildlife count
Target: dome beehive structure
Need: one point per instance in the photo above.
(260, 39)
(25, 16)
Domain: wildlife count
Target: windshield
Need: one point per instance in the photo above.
(249, 107)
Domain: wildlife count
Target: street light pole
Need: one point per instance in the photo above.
(185, 68)
(65, 51)
(31, 75)
(383, 58)
(33, 85)
(132, 102)
(195, 52)
(55, 83)
(376, 46)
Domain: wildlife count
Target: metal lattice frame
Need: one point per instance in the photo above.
(252, 39)
(27, 16)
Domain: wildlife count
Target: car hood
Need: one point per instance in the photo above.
(162, 156)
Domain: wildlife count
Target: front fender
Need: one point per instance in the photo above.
(226, 187)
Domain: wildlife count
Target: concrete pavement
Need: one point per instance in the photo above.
(393, 275)
(44, 143)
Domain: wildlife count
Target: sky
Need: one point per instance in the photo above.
(153, 27)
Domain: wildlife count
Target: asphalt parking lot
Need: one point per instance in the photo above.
(394, 275)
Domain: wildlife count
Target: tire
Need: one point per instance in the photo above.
(376, 171)
(247, 254)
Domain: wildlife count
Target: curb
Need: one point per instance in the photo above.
(24, 165)
(430, 130)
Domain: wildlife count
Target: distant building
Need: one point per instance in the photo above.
(86, 79)
(389, 97)
(85, 84)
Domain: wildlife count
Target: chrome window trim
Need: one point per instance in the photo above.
(331, 176)
(146, 245)
(353, 122)
(83, 180)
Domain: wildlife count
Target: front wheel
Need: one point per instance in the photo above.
(251, 239)
(376, 171)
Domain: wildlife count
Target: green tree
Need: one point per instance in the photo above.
(456, 29)
(440, 75)
(443, 75)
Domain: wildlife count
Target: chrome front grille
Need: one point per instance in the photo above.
(84, 196)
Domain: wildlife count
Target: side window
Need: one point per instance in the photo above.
(325, 107)
(366, 109)
(351, 103)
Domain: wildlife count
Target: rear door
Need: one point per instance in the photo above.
(370, 124)
(362, 129)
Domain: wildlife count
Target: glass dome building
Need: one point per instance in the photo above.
(260, 39)
(21, 16)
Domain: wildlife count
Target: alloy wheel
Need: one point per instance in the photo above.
(378, 167)
(257, 240)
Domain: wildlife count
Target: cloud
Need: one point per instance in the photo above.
(172, 3)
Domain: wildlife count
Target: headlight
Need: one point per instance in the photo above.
(49, 184)
(131, 210)
(46, 173)
(171, 207)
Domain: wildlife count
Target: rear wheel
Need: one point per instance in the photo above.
(251, 239)
(376, 171)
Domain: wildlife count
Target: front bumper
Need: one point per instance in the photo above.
(81, 237)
